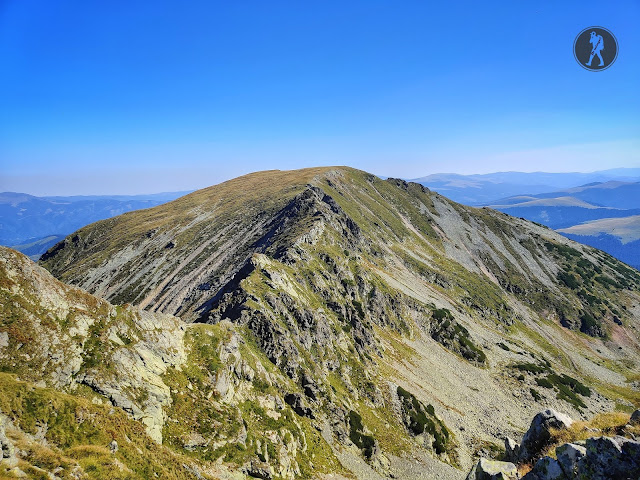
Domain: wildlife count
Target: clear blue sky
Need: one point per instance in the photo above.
(145, 96)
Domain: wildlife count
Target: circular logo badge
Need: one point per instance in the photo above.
(595, 49)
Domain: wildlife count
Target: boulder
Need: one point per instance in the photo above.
(538, 436)
(487, 469)
(546, 468)
(605, 459)
(630, 462)
(511, 450)
(635, 418)
(113, 446)
(569, 455)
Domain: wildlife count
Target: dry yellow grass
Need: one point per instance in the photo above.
(604, 424)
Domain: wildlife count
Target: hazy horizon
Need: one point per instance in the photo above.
(90, 193)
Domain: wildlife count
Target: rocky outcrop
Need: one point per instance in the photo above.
(7, 451)
(511, 450)
(298, 404)
(538, 435)
(133, 380)
(602, 458)
(596, 458)
(546, 468)
(610, 458)
(64, 337)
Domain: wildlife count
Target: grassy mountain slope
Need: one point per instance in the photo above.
(180, 258)
(37, 247)
(392, 320)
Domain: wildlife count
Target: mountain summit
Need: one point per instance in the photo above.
(337, 323)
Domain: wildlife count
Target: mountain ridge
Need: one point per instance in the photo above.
(389, 320)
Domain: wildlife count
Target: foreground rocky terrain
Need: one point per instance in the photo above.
(557, 448)
(319, 323)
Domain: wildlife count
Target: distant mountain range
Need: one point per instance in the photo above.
(565, 208)
(602, 215)
(32, 224)
(486, 189)
(602, 211)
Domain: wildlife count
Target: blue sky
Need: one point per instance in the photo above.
(139, 97)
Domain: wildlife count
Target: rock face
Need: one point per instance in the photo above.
(74, 338)
(607, 458)
(538, 436)
(546, 468)
(511, 450)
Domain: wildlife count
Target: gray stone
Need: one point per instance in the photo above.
(546, 468)
(487, 469)
(635, 418)
(17, 473)
(261, 470)
(7, 451)
(113, 446)
(605, 460)
(631, 448)
(511, 450)
(194, 470)
(569, 455)
(538, 436)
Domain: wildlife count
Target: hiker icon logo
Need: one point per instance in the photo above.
(595, 49)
